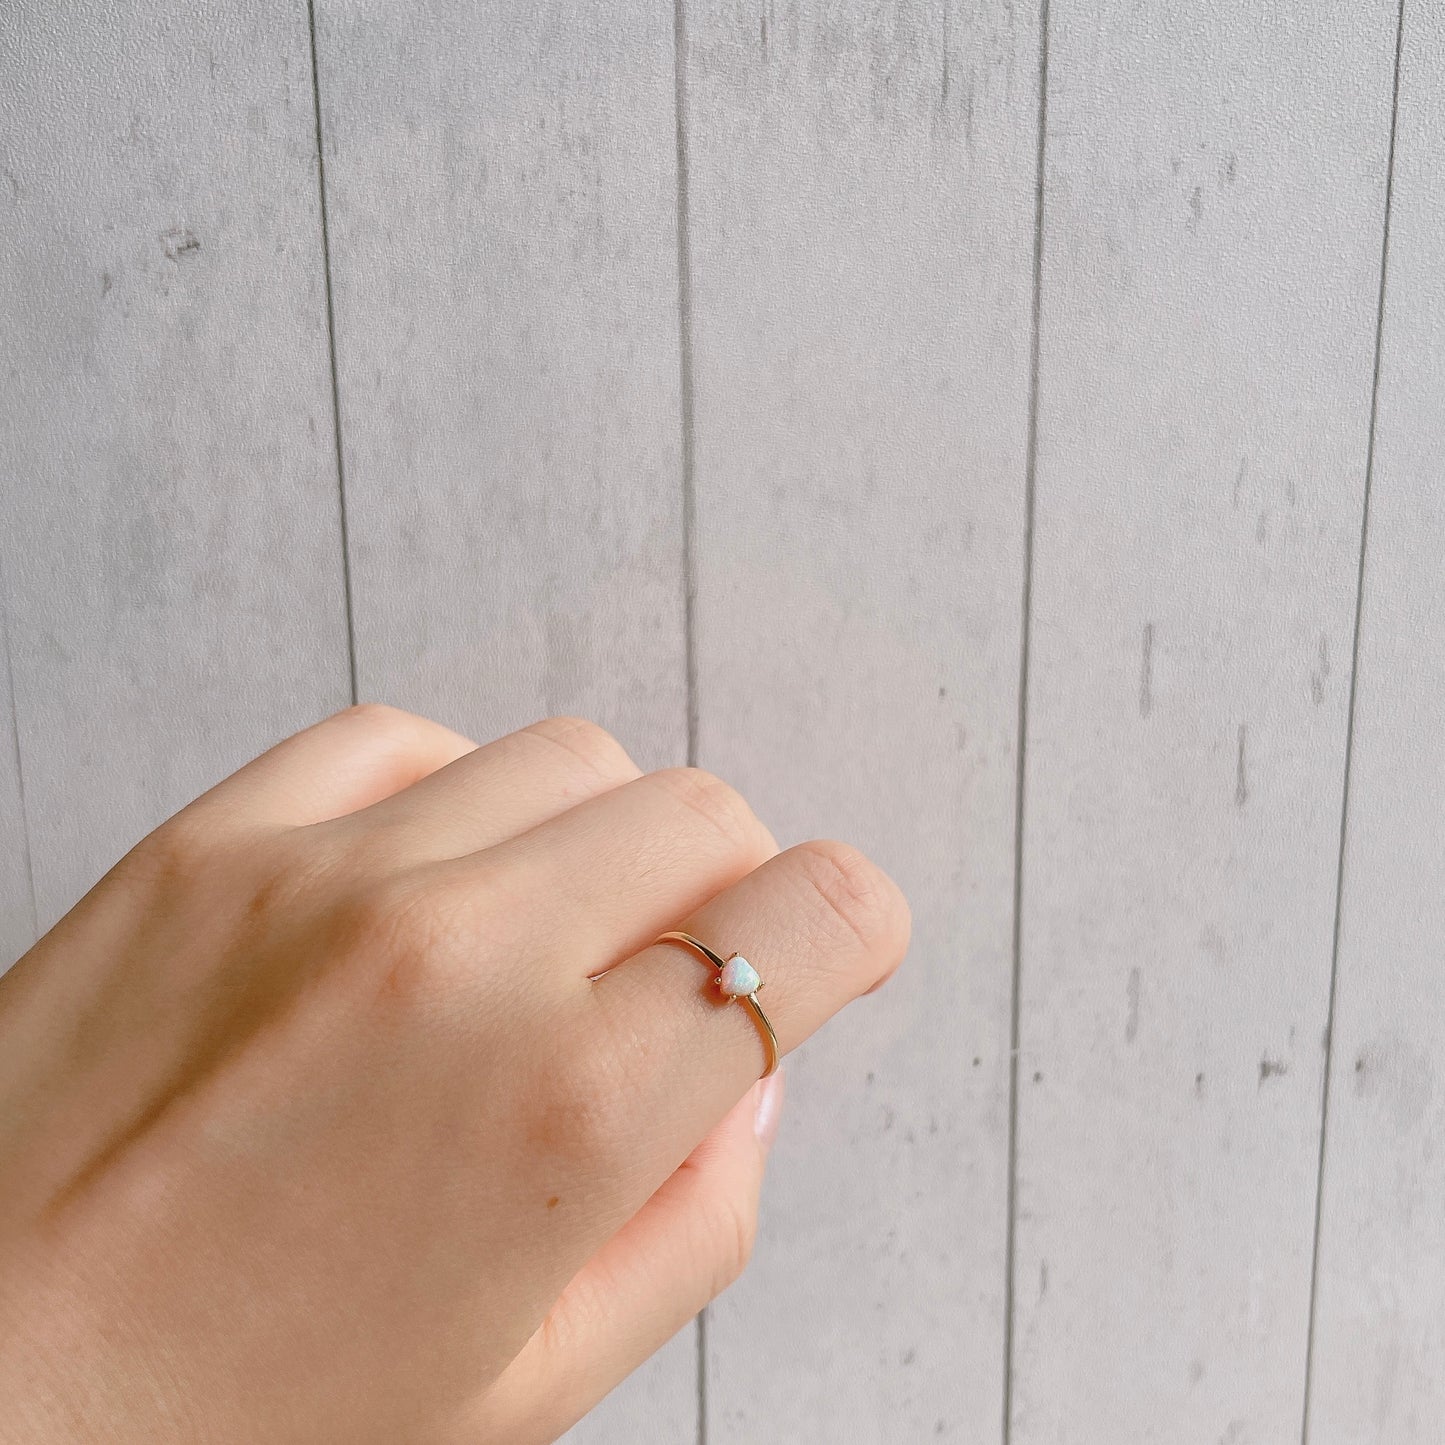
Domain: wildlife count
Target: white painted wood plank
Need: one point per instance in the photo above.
(1212, 226)
(1379, 1358)
(502, 202)
(861, 221)
(171, 538)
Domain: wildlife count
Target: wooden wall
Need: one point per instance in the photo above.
(1009, 434)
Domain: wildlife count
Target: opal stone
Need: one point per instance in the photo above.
(738, 977)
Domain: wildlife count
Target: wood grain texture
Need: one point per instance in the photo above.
(502, 188)
(171, 550)
(502, 202)
(17, 893)
(1379, 1356)
(519, 356)
(1213, 208)
(861, 235)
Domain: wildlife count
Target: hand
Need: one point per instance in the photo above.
(315, 1124)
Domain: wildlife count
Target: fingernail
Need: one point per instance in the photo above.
(770, 1109)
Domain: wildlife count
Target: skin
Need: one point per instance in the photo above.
(357, 1104)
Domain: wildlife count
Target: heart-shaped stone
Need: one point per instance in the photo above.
(738, 977)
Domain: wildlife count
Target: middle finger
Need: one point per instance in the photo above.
(603, 879)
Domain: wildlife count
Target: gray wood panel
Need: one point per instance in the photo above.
(861, 208)
(518, 363)
(502, 201)
(1379, 1358)
(1214, 203)
(171, 549)
(17, 894)
(503, 205)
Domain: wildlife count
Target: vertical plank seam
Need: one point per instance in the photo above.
(1325, 1087)
(702, 1376)
(689, 505)
(685, 381)
(1025, 634)
(25, 842)
(331, 349)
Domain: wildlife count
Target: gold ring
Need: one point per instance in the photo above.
(738, 979)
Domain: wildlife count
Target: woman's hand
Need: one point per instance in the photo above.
(315, 1124)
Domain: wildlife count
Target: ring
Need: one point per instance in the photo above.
(736, 978)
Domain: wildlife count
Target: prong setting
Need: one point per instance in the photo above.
(737, 978)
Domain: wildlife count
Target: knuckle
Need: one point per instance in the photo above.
(386, 909)
(589, 1089)
(425, 937)
(278, 882)
(858, 893)
(717, 803)
(394, 925)
(177, 850)
(377, 714)
(403, 745)
(585, 742)
(381, 720)
(582, 1105)
(248, 885)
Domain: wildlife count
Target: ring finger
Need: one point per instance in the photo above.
(820, 923)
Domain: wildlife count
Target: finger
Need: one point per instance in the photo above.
(345, 762)
(605, 878)
(495, 792)
(822, 925)
(690, 1240)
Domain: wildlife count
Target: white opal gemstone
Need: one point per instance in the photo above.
(738, 977)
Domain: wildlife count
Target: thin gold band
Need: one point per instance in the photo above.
(770, 1039)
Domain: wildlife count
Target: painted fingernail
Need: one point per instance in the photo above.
(770, 1109)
